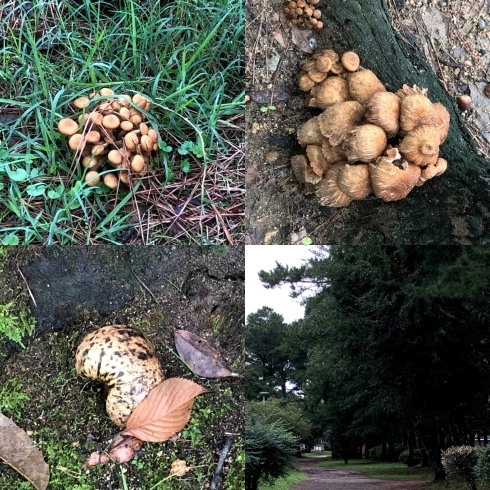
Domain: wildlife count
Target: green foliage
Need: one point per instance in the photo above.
(285, 483)
(15, 327)
(482, 468)
(288, 411)
(12, 399)
(376, 453)
(459, 463)
(268, 450)
(417, 456)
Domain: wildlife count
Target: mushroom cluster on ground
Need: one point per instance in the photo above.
(366, 139)
(303, 13)
(111, 135)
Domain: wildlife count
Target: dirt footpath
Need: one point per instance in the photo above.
(322, 478)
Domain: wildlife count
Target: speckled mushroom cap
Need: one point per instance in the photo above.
(125, 360)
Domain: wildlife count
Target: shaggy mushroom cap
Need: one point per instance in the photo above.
(435, 170)
(302, 170)
(330, 91)
(318, 162)
(415, 110)
(333, 154)
(383, 110)
(354, 181)
(339, 119)
(421, 146)
(392, 179)
(125, 360)
(364, 143)
(328, 191)
(305, 83)
(308, 133)
(441, 120)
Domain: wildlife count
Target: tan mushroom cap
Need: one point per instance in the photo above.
(330, 91)
(406, 90)
(131, 140)
(92, 137)
(76, 142)
(126, 125)
(110, 180)
(350, 61)
(363, 84)
(323, 63)
(302, 171)
(98, 149)
(115, 157)
(333, 154)
(435, 170)
(137, 164)
(415, 110)
(337, 119)
(125, 360)
(106, 91)
(316, 75)
(364, 143)
(354, 180)
(317, 161)
(309, 133)
(329, 53)
(111, 121)
(91, 161)
(67, 127)
(305, 83)
(441, 120)
(139, 100)
(146, 143)
(81, 102)
(391, 178)
(92, 178)
(383, 110)
(153, 135)
(328, 190)
(421, 145)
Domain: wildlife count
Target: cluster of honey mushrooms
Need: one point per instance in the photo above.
(303, 13)
(114, 133)
(366, 139)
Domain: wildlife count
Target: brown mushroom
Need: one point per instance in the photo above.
(333, 154)
(92, 178)
(336, 120)
(330, 91)
(309, 133)
(421, 145)
(383, 110)
(364, 143)
(76, 142)
(110, 180)
(81, 102)
(111, 121)
(435, 170)
(328, 190)
(441, 120)
(350, 61)
(317, 161)
(363, 84)
(305, 83)
(67, 127)
(415, 110)
(354, 180)
(302, 171)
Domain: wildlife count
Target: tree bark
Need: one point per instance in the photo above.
(452, 208)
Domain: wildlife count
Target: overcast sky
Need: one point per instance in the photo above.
(264, 257)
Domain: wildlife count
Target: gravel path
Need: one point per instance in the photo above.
(322, 478)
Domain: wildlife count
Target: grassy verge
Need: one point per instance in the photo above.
(387, 471)
(186, 56)
(286, 483)
(318, 454)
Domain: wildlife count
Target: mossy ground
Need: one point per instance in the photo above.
(201, 290)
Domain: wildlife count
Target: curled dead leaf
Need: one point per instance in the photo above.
(301, 37)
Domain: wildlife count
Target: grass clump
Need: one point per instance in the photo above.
(285, 483)
(185, 56)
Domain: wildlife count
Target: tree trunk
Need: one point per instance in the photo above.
(452, 208)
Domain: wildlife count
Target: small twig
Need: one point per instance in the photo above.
(144, 285)
(28, 288)
(217, 479)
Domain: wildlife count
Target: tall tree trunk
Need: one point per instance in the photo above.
(453, 208)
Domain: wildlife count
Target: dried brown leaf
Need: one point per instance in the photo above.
(277, 35)
(301, 37)
(165, 410)
(203, 359)
(17, 450)
(271, 96)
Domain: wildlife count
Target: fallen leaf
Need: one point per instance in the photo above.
(165, 410)
(200, 356)
(17, 450)
(301, 37)
(271, 96)
(277, 35)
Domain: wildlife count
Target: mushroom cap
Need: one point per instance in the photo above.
(124, 177)
(125, 360)
(421, 145)
(92, 137)
(364, 143)
(81, 102)
(363, 84)
(67, 127)
(92, 178)
(146, 143)
(350, 61)
(111, 121)
(126, 125)
(441, 120)
(338, 119)
(393, 179)
(323, 63)
(330, 91)
(308, 133)
(115, 157)
(76, 142)
(329, 53)
(333, 154)
(328, 190)
(317, 161)
(153, 135)
(302, 171)
(415, 110)
(383, 110)
(406, 90)
(106, 91)
(435, 170)
(305, 83)
(131, 140)
(137, 164)
(110, 180)
(91, 161)
(354, 180)
(139, 100)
